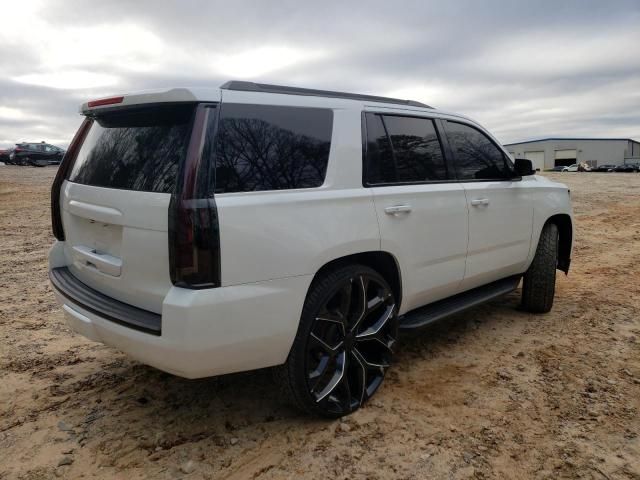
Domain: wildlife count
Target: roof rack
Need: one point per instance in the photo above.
(243, 86)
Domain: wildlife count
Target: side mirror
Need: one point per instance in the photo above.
(523, 167)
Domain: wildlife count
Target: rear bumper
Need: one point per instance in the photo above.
(101, 305)
(204, 332)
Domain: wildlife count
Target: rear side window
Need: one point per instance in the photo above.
(403, 150)
(137, 149)
(266, 147)
(380, 165)
(476, 156)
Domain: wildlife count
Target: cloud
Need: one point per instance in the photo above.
(68, 79)
(12, 114)
(523, 69)
(262, 60)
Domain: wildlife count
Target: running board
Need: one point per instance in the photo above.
(423, 316)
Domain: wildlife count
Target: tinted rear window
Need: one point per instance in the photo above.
(265, 147)
(139, 149)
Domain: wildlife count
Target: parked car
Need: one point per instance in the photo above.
(7, 156)
(36, 154)
(627, 167)
(304, 229)
(604, 168)
(570, 168)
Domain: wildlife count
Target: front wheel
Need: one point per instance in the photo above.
(344, 343)
(539, 283)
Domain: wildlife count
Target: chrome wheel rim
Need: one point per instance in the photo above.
(351, 343)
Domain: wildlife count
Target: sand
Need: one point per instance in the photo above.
(490, 393)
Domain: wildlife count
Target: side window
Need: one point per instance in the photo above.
(265, 147)
(416, 149)
(380, 165)
(476, 156)
(403, 150)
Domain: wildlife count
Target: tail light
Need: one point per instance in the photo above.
(63, 173)
(194, 238)
(17, 149)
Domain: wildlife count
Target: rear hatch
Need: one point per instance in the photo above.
(114, 203)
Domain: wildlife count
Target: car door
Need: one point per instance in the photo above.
(421, 208)
(38, 152)
(499, 203)
(49, 152)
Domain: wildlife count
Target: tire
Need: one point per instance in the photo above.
(344, 344)
(539, 283)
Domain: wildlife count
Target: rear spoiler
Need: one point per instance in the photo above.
(174, 95)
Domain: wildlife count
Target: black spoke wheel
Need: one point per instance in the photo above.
(345, 342)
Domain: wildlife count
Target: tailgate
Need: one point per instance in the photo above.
(115, 202)
(116, 242)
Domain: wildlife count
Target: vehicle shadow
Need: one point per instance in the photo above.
(161, 411)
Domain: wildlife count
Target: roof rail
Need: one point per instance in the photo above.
(243, 86)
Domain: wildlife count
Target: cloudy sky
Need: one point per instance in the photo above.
(523, 69)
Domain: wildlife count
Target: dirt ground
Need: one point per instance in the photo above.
(491, 393)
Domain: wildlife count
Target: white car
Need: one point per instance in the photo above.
(209, 231)
(571, 168)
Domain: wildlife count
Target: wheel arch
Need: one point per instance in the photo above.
(381, 261)
(565, 231)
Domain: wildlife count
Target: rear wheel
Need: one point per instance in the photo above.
(344, 343)
(539, 283)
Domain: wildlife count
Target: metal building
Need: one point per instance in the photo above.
(552, 152)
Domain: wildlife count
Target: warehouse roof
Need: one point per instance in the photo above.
(570, 138)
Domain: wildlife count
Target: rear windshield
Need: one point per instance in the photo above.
(137, 149)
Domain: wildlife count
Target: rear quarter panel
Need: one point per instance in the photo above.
(283, 233)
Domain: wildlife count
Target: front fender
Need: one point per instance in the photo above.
(553, 202)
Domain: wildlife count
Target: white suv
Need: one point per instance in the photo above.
(209, 231)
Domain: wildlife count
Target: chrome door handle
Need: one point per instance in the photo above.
(479, 201)
(396, 209)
